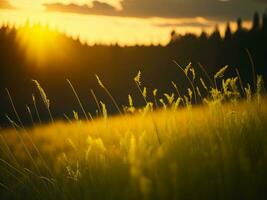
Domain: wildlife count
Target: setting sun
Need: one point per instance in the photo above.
(38, 42)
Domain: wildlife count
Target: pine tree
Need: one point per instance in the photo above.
(264, 21)
(239, 24)
(228, 32)
(173, 36)
(203, 36)
(256, 21)
(216, 35)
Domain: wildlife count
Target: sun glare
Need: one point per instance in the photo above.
(38, 41)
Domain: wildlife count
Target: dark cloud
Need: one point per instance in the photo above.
(98, 8)
(211, 9)
(5, 4)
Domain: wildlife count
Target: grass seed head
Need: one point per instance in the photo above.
(155, 92)
(104, 110)
(144, 92)
(198, 92)
(170, 98)
(203, 84)
(260, 84)
(221, 72)
(187, 68)
(130, 100)
(192, 70)
(137, 78)
(248, 92)
(190, 93)
(42, 93)
(99, 81)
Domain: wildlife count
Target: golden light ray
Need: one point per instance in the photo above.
(38, 42)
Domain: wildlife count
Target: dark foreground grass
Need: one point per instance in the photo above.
(214, 151)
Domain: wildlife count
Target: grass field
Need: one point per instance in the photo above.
(215, 150)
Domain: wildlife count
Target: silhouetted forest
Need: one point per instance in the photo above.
(117, 66)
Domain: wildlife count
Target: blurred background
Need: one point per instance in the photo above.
(52, 41)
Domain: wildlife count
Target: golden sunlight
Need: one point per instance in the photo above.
(93, 29)
(133, 99)
(37, 42)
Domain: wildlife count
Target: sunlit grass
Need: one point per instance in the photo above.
(169, 149)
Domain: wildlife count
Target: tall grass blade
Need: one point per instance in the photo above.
(30, 114)
(190, 82)
(108, 93)
(44, 98)
(207, 74)
(78, 99)
(240, 80)
(96, 101)
(36, 109)
(14, 109)
(252, 69)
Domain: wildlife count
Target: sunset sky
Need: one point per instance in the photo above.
(128, 21)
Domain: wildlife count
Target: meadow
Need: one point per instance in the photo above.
(209, 143)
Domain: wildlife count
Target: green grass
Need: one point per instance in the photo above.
(216, 150)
